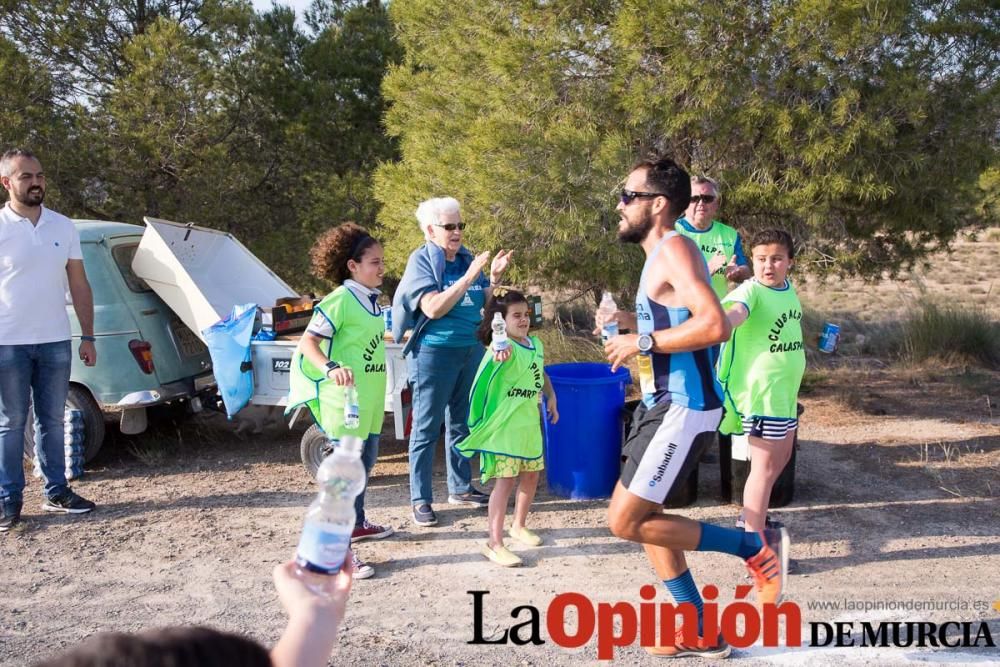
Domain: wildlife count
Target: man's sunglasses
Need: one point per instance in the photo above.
(628, 196)
(451, 226)
(704, 199)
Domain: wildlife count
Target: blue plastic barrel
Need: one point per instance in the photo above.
(583, 450)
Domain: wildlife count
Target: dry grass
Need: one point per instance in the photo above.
(963, 278)
(564, 344)
(170, 437)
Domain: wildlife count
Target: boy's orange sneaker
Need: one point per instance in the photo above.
(700, 649)
(769, 566)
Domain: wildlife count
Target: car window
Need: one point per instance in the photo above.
(103, 284)
(123, 255)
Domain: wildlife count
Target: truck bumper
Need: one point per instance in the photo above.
(168, 392)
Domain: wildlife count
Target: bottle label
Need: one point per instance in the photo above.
(609, 330)
(323, 547)
(647, 384)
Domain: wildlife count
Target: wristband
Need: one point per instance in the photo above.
(88, 339)
(331, 366)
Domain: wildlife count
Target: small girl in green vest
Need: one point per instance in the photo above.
(504, 426)
(343, 346)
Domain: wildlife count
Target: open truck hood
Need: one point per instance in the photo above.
(202, 273)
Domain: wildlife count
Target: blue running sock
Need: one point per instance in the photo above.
(728, 541)
(682, 588)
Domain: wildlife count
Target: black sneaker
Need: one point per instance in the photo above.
(423, 515)
(10, 514)
(68, 502)
(471, 497)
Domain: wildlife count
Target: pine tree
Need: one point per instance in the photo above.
(862, 127)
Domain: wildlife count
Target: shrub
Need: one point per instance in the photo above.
(564, 346)
(952, 333)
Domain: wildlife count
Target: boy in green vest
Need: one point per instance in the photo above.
(344, 345)
(761, 367)
(719, 243)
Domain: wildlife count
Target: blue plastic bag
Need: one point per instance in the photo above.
(229, 345)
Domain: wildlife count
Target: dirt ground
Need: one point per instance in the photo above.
(897, 499)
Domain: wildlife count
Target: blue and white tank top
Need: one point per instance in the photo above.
(685, 378)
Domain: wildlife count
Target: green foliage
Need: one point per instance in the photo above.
(862, 127)
(30, 118)
(203, 111)
(507, 107)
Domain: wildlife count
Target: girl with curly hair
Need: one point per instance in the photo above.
(343, 346)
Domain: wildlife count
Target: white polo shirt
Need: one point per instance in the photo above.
(33, 282)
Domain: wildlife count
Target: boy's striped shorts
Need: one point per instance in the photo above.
(769, 428)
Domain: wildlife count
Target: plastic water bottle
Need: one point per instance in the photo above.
(500, 340)
(329, 521)
(352, 416)
(607, 310)
(73, 439)
(73, 452)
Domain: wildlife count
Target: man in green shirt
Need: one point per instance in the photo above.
(719, 243)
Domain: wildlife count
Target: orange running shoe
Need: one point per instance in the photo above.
(700, 649)
(769, 566)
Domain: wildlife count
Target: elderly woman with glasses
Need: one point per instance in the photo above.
(441, 297)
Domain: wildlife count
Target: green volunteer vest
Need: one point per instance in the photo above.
(718, 238)
(761, 366)
(357, 343)
(503, 407)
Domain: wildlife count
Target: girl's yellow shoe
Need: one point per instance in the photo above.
(501, 555)
(525, 536)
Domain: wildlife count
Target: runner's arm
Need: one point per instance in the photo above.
(682, 266)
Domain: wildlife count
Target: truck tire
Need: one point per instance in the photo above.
(93, 424)
(315, 447)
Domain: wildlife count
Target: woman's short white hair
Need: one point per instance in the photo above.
(430, 211)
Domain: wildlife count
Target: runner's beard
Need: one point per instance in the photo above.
(636, 233)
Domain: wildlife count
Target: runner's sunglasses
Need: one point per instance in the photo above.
(629, 195)
(705, 199)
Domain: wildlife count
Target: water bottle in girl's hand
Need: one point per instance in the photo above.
(352, 411)
(500, 340)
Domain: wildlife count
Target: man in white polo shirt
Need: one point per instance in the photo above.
(39, 255)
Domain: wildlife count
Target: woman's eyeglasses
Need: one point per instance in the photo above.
(704, 199)
(628, 196)
(451, 226)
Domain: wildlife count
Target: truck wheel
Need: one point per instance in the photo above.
(315, 448)
(93, 424)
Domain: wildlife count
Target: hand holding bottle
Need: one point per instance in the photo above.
(313, 619)
(342, 376)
